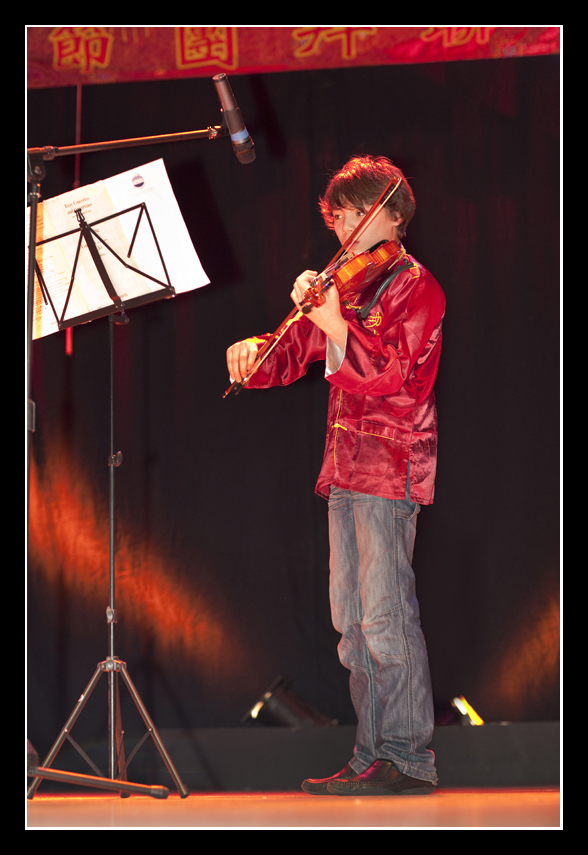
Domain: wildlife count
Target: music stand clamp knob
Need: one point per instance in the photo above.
(115, 459)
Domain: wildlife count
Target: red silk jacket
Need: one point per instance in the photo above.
(382, 411)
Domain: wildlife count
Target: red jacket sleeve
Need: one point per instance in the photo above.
(302, 344)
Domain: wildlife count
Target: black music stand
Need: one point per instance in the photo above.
(112, 665)
(114, 305)
(86, 233)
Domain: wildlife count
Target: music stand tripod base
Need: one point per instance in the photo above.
(110, 666)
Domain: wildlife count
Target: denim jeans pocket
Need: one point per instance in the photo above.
(406, 510)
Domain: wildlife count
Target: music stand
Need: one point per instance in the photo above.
(112, 665)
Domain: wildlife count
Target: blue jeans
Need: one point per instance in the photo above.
(374, 607)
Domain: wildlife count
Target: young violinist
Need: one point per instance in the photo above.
(381, 348)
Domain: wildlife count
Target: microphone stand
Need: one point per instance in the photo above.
(112, 665)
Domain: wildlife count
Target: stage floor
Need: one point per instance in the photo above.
(531, 808)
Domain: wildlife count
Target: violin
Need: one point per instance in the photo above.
(351, 275)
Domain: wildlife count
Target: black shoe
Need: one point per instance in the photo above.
(318, 786)
(381, 779)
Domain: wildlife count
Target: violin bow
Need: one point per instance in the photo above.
(296, 313)
(373, 212)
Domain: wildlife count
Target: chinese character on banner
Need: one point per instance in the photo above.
(458, 36)
(81, 48)
(201, 46)
(310, 39)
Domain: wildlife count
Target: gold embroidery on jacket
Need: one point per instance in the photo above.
(373, 320)
(379, 435)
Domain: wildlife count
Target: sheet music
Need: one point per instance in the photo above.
(167, 235)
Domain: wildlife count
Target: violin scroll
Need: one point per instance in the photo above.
(315, 295)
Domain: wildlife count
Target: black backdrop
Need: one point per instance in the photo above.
(222, 549)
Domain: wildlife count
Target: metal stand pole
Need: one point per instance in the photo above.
(112, 666)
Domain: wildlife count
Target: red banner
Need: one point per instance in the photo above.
(66, 56)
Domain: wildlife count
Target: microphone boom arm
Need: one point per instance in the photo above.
(49, 152)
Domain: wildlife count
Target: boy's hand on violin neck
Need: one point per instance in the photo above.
(327, 317)
(240, 359)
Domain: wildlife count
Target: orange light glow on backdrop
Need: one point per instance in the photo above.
(527, 668)
(69, 545)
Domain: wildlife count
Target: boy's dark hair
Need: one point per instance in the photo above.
(359, 183)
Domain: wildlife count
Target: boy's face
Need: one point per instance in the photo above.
(382, 227)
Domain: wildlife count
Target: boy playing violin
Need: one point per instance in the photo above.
(381, 349)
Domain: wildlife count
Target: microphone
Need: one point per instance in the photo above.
(242, 142)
